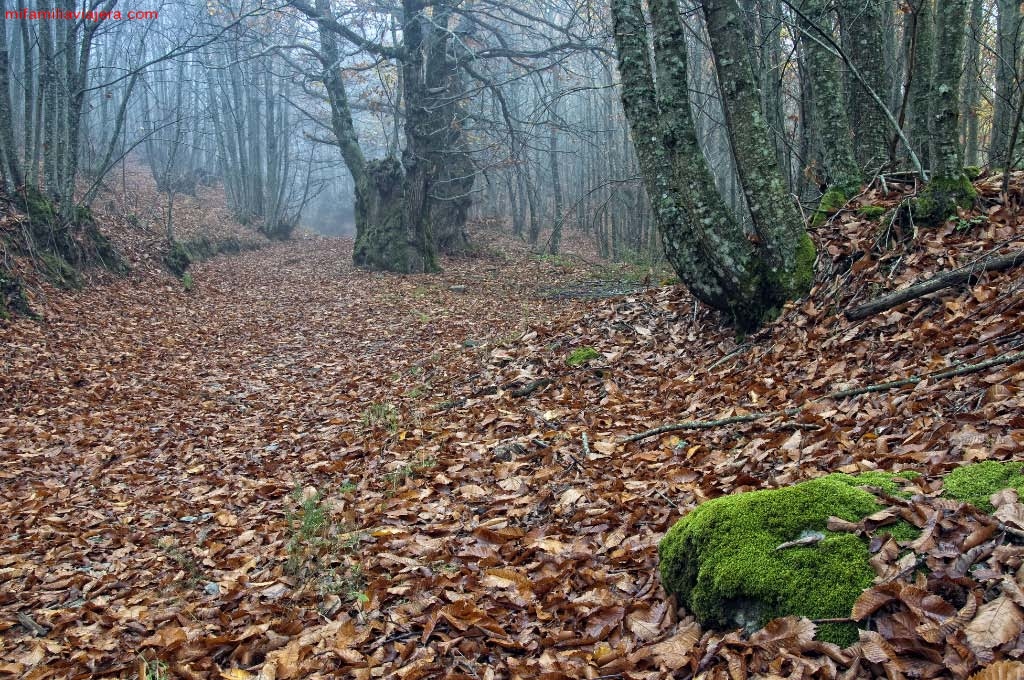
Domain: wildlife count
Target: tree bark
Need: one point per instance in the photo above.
(1008, 51)
(842, 171)
(782, 241)
(390, 199)
(8, 150)
(948, 188)
(972, 91)
(922, 82)
(707, 247)
(862, 30)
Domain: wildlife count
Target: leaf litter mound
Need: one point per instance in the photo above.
(303, 470)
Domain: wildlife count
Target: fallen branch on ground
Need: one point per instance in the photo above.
(964, 369)
(935, 283)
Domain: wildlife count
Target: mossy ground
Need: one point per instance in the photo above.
(722, 561)
(871, 212)
(183, 254)
(974, 484)
(940, 199)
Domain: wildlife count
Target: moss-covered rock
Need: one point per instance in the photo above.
(723, 563)
(975, 484)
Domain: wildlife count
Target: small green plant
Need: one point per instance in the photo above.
(381, 415)
(153, 669)
(348, 486)
(187, 281)
(417, 392)
(411, 469)
(348, 581)
(182, 559)
(309, 528)
(964, 225)
(580, 356)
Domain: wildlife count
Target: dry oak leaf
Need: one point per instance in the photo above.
(674, 653)
(1001, 670)
(172, 636)
(997, 622)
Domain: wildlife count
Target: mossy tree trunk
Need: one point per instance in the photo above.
(781, 238)
(948, 188)
(922, 79)
(451, 170)
(706, 245)
(824, 70)
(863, 30)
(391, 232)
(9, 165)
(972, 85)
(1009, 39)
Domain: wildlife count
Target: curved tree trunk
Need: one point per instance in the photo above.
(707, 247)
(390, 223)
(783, 246)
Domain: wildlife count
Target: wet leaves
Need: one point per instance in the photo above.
(302, 470)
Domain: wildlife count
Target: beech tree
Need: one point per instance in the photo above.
(746, 274)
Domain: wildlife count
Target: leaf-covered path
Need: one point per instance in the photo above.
(302, 470)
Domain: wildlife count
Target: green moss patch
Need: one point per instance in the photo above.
(975, 484)
(940, 199)
(871, 212)
(723, 562)
(580, 356)
(832, 201)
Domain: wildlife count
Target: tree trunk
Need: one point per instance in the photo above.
(949, 188)
(9, 164)
(1006, 95)
(390, 231)
(842, 172)
(863, 29)
(783, 245)
(972, 91)
(451, 168)
(705, 244)
(922, 81)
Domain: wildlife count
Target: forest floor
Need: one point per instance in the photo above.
(298, 469)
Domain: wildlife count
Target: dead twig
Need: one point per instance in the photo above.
(838, 394)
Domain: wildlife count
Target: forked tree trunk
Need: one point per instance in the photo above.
(390, 224)
(707, 247)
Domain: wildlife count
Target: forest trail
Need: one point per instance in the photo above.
(299, 469)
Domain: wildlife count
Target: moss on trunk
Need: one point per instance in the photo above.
(384, 240)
